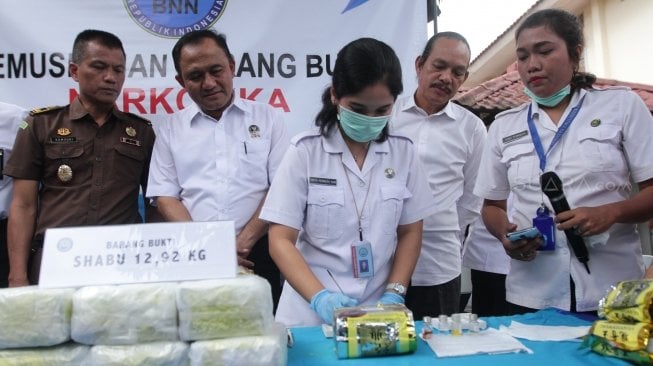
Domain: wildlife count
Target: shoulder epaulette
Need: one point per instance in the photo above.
(132, 117)
(513, 110)
(138, 118)
(610, 87)
(36, 111)
(304, 135)
(400, 136)
(144, 120)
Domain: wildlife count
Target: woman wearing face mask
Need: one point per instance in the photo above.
(595, 141)
(351, 196)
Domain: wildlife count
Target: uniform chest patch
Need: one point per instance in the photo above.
(514, 137)
(63, 139)
(129, 141)
(323, 181)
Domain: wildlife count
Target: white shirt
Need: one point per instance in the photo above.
(609, 141)
(220, 170)
(10, 117)
(482, 251)
(311, 193)
(449, 144)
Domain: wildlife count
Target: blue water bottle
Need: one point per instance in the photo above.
(543, 221)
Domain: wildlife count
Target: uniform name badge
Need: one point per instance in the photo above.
(543, 221)
(361, 255)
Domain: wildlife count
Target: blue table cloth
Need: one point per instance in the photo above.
(312, 348)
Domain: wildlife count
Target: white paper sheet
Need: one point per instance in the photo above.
(489, 341)
(545, 332)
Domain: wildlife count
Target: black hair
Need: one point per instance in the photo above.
(196, 37)
(360, 64)
(566, 26)
(429, 44)
(105, 39)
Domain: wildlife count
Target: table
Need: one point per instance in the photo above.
(312, 348)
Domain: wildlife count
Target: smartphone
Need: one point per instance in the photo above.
(528, 233)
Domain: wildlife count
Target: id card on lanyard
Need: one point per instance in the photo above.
(361, 250)
(361, 255)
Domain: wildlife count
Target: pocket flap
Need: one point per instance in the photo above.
(395, 192)
(602, 133)
(512, 152)
(63, 151)
(323, 196)
(133, 152)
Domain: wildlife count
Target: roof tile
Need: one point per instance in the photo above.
(506, 91)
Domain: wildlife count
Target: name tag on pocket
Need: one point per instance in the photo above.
(129, 141)
(323, 181)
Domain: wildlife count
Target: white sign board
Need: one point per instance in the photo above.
(96, 255)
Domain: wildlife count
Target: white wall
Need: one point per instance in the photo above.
(618, 36)
(619, 39)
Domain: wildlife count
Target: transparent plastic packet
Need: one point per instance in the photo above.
(628, 302)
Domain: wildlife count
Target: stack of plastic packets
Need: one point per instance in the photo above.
(224, 322)
(230, 323)
(35, 326)
(625, 330)
(128, 324)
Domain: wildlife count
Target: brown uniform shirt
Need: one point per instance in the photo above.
(108, 165)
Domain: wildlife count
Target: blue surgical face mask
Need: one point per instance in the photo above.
(360, 127)
(550, 101)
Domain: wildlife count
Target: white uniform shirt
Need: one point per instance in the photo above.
(220, 170)
(609, 141)
(449, 144)
(482, 251)
(10, 117)
(311, 193)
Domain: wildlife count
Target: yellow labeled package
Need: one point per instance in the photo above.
(366, 331)
(604, 347)
(629, 337)
(625, 341)
(628, 302)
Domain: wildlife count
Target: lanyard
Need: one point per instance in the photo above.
(359, 214)
(539, 149)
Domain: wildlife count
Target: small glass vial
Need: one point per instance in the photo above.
(443, 323)
(427, 327)
(474, 325)
(456, 327)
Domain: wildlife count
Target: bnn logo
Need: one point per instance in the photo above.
(174, 18)
(174, 7)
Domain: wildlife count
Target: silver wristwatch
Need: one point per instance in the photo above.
(396, 287)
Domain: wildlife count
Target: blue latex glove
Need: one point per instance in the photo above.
(325, 302)
(391, 298)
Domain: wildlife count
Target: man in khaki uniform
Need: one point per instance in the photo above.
(81, 164)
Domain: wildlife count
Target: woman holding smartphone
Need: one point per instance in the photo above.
(595, 142)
